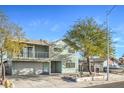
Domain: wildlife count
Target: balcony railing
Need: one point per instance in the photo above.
(41, 54)
(35, 55)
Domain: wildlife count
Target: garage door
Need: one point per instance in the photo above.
(27, 68)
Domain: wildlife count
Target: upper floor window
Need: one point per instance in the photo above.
(71, 51)
(29, 51)
(57, 50)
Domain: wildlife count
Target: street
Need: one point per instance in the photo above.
(110, 85)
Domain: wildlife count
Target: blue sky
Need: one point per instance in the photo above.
(52, 22)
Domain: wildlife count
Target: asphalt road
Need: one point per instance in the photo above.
(110, 85)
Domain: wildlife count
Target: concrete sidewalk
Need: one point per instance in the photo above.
(47, 81)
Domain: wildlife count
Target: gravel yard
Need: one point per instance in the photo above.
(56, 81)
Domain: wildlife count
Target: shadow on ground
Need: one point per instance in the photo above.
(68, 79)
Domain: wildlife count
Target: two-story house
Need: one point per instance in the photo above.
(42, 57)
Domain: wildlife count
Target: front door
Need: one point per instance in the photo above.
(56, 67)
(45, 68)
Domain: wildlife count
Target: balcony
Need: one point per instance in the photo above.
(41, 54)
(32, 56)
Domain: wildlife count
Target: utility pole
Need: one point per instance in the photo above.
(108, 35)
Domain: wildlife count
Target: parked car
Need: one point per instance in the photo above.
(114, 69)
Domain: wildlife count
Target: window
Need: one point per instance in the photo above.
(70, 65)
(71, 51)
(57, 49)
(29, 51)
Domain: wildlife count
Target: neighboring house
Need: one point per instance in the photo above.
(42, 57)
(96, 63)
(113, 63)
(121, 60)
(114, 66)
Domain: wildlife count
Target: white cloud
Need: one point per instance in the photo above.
(119, 29)
(46, 22)
(119, 46)
(118, 34)
(38, 22)
(116, 39)
(55, 27)
(35, 22)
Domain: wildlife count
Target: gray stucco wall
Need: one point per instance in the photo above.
(27, 68)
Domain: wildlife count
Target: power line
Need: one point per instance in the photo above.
(109, 12)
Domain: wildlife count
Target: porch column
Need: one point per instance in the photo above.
(49, 67)
(25, 52)
(33, 52)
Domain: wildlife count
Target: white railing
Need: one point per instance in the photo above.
(35, 55)
(41, 54)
